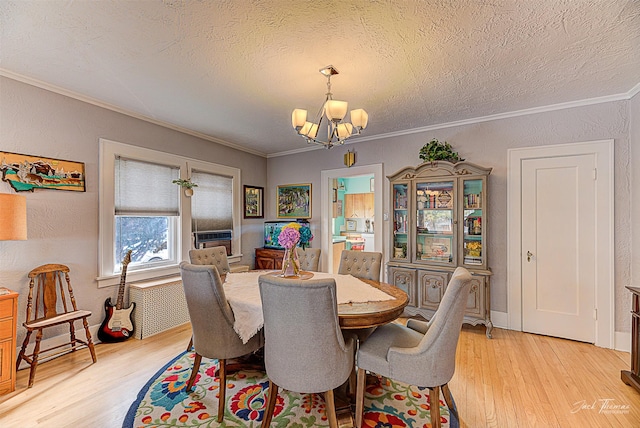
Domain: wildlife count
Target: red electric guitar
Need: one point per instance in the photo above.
(117, 325)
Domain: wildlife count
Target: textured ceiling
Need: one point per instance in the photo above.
(234, 70)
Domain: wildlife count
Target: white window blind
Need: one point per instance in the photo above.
(212, 202)
(146, 189)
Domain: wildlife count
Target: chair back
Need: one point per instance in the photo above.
(50, 292)
(216, 256)
(211, 316)
(309, 258)
(361, 264)
(304, 348)
(432, 361)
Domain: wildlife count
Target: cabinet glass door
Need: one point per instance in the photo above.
(473, 222)
(434, 222)
(400, 221)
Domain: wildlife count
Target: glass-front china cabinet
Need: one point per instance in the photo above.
(439, 212)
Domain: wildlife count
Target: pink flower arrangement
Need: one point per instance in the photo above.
(289, 236)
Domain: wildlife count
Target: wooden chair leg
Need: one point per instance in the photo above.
(222, 374)
(194, 372)
(34, 358)
(271, 404)
(89, 340)
(72, 336)
(360, 381)
(448, 398)
(25, 342)
(190, 344)
(330, 409)
(434, 404)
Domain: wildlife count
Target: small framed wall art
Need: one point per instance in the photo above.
(253, 202)
(26, 173)
(294, 201)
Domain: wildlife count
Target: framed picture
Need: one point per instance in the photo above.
(293, 201)
(253, 202)
(27, 172)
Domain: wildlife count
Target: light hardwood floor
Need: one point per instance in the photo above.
(512, 380)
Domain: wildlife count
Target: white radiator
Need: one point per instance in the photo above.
(160, 305)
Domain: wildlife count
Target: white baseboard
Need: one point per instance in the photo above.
(621, 339)
(59, 340)
(500, 319)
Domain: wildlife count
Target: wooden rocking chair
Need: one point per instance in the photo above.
(47, 292)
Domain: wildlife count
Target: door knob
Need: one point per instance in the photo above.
(529, 254)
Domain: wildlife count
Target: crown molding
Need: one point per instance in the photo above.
(361, 139)
(507, 115)
(71, 94)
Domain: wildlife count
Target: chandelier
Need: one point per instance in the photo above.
(335, 130)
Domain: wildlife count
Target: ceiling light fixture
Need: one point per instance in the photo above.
(333, 113)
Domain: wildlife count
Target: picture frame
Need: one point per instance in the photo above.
(293, 201)
(253, 201)
(25, 173)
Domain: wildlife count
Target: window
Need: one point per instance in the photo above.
(147, 208)
(211, 206)
(143, 211)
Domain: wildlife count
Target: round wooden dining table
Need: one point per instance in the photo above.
(372, 314)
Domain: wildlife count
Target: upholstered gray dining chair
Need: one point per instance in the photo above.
(361, 264)
(216, 256)
(309, 258)
(212, 324)
(211, 256)
(421, 354)
(305, 351)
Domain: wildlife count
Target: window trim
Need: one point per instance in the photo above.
(106, 176)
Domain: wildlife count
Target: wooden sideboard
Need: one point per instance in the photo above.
(269, 258)
(633, 377)
(8, 323)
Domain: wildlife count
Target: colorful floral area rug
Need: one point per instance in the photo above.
(163, 402)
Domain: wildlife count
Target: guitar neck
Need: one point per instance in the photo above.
(120, 300)
(123, 279)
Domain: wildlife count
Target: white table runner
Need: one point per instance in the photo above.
(243, 295)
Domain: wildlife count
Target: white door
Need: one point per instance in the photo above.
(559, 246)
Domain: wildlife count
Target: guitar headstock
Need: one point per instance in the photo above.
(127, 259)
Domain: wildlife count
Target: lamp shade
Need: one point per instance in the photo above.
(298, 117)
(335, 110)
(344, 130)
(13, 217)
(359, 118)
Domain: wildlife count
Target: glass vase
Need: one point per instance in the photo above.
(290, 263)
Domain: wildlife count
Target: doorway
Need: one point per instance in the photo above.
(560, 241)
(331, 227)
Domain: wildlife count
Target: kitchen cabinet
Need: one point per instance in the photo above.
(359, 205)
(439, 211)
(8, 324)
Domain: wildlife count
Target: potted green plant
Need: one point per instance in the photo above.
(187, 185)
(435, 150)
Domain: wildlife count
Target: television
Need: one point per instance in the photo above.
(272, 230)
